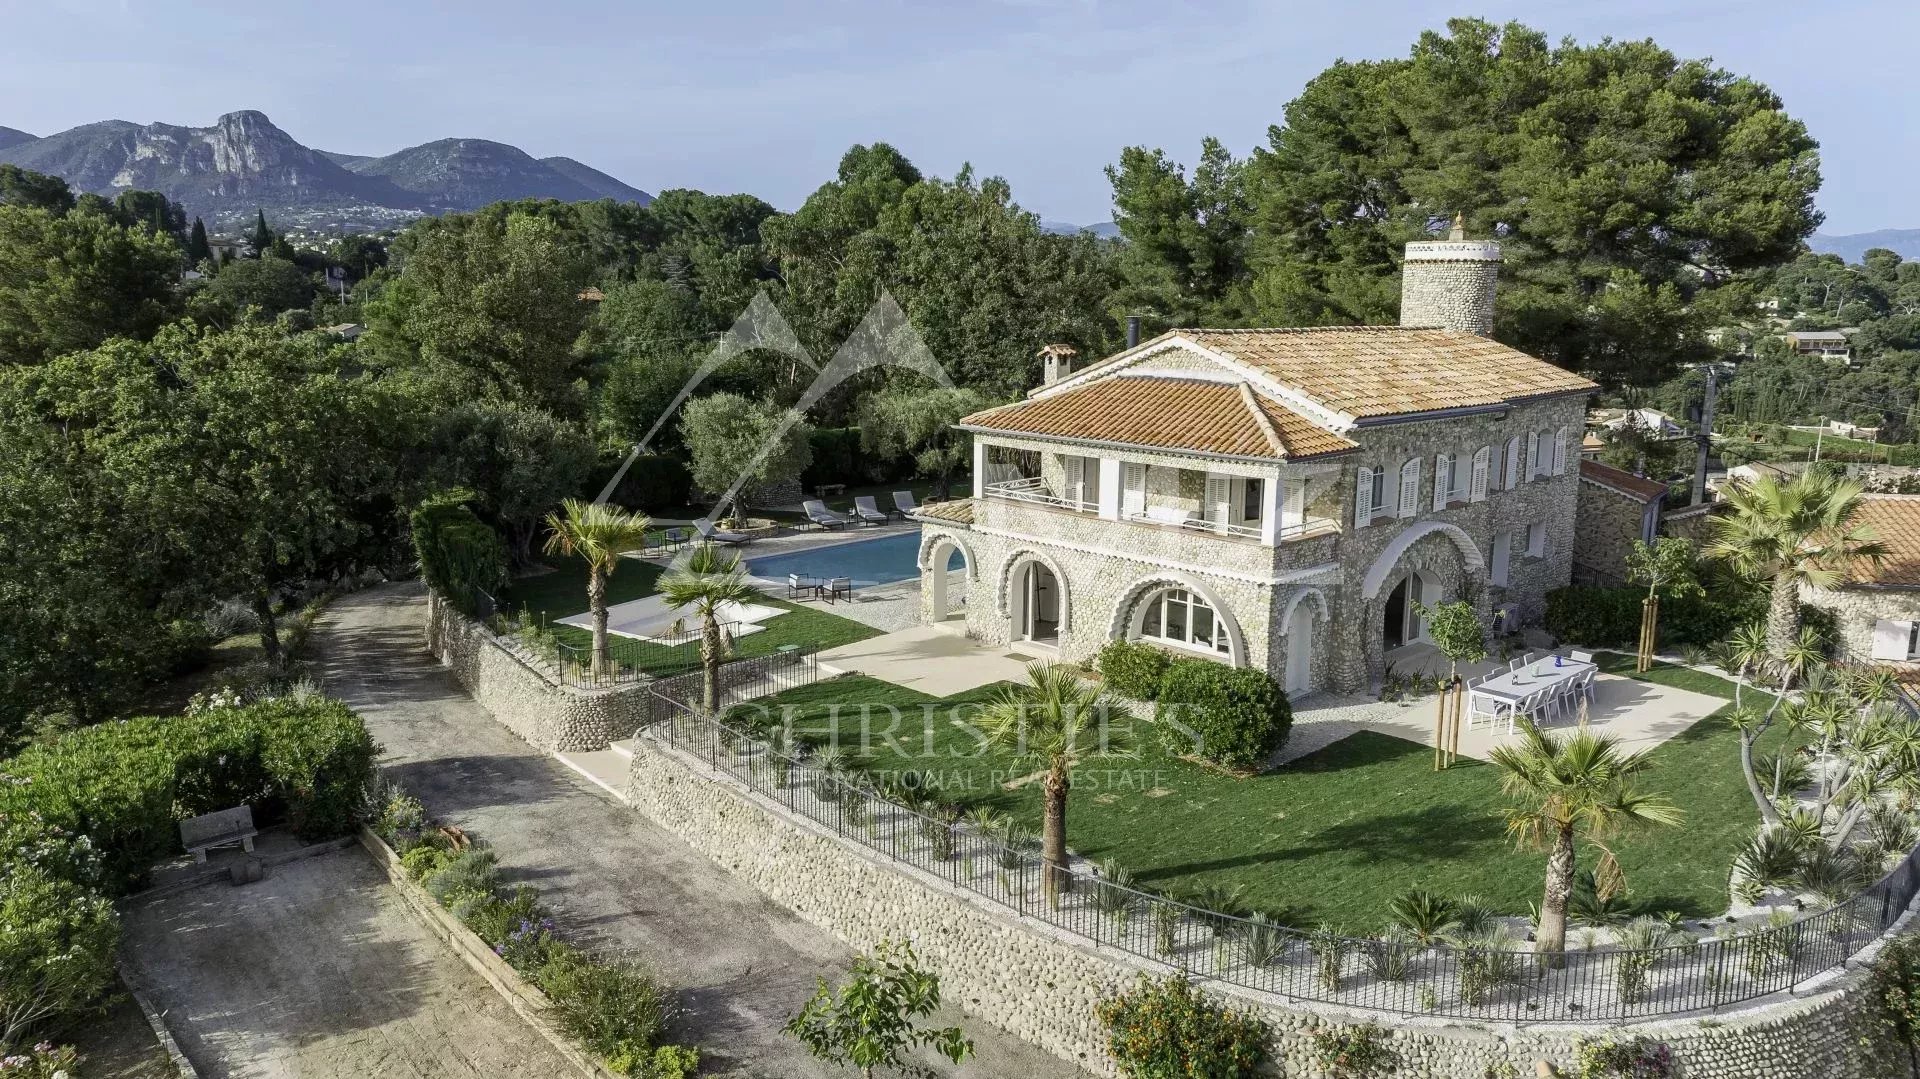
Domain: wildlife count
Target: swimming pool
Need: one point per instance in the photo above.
(882, 560)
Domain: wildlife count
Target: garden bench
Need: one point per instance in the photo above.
(218, 829)
(829, 490)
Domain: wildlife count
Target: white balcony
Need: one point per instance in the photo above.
(1034, 490)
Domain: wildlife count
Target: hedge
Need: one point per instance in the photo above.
(655, 482)
(1610, 617)
(458, 551)
(1233, 716)
(126, 786)
(1133, 669)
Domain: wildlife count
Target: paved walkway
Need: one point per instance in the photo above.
(321, 970)
(743, 965)
(939, 661)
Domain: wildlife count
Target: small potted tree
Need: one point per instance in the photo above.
(1458, 633)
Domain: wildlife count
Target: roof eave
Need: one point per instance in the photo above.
(1143, 447)
(1468, 410)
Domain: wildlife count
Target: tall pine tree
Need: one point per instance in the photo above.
(198, 249)
(262, 235)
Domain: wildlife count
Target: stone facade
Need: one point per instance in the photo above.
(1606, 525)
(1856, 614)
(1042, 984)
(525, 699)
(1342, 574)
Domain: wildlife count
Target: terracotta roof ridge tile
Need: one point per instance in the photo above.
(1264, 421)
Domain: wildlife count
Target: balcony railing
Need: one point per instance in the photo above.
(1175, 518)
(1035, 490)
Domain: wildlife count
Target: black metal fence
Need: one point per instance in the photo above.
(1489, 978)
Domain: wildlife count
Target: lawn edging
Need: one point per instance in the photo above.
(523, 997)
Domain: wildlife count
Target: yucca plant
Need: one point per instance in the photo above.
(1329, 956)
(1113, 893)
(1891, 832)
(1166, 928)
(1473, 915)
(1782, 773)
(1833, 875)
(1227, 899)
(1771, 859)
(1586, 904)
(1491, 963)
(1389, 957)
(1261, 939)
(1427, 915)
(1644, 940)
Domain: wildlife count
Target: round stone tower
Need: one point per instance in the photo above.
(1450, 282)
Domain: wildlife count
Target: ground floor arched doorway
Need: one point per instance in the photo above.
(1035, 603)
(1400, 619)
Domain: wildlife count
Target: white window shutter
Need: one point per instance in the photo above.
(1560, 451)
(1533, 454)
(1219, 507)
(1442, 476)
(1410, 488)
(1076, 478)
(1477, 489)
(1133, 492)
(1511, 478)
(1363, 497)
(1890, 638)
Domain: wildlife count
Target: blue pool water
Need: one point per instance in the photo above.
(882, 560)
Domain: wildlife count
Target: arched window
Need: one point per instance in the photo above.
(1177, 617)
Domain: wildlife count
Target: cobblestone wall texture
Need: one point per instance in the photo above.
(1042, 985)
(550, 716)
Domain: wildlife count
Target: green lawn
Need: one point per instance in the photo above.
(562, 593)
(1330, 837)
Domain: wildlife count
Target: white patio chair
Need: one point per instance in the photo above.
(1580, 657)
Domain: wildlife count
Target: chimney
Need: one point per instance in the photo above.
(1056, 363)
(1450, 282)
(1133, 330)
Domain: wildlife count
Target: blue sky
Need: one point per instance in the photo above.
(764, 97)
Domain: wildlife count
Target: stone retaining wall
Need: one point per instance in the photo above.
(553, 717)
(1041, 984)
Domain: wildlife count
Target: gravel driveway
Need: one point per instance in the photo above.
(321, 970)
(742, 964)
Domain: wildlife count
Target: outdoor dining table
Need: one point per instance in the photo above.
(1510, 689)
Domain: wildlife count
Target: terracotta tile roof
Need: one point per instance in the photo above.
(1638, 488)
(1191, 414)
(1895, 521)
(1371, 372)
(959, 511)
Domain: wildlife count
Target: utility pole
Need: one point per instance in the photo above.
(1705, 437)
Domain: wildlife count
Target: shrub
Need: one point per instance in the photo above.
(471, 870)
(615, 1009)
(1352, 1052)
(1167, 1029)
(655, 482)
(125, 786)
(57, 951)
(667, 1062)
(423, 860)
(1610, 617)
(403, 813)
(491, 921)
(1133, 669)
(1234, 716)
(458, 551)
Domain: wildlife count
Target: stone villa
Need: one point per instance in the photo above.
(1275, 497)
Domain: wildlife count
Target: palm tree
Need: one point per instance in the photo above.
(1563, 788)
(706, 585)
(1058, 720)
(1789, 534)
(601, 534)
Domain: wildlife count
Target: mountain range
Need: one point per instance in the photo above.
(243, 162)
(1903, 242)
(1105, 230)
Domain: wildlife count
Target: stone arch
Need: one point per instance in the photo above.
(1003, 604)
(1390, 557)
(932, 541)
(1304, 594)
(1119, 625)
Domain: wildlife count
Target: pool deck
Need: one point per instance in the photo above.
(886, 607)
(937, 660)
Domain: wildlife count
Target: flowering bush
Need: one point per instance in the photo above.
(44, 1061)
(56, 951)
(1170, 1030)
(528, 945)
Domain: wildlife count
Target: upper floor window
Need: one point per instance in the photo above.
(1458, 470)
(1250, 501)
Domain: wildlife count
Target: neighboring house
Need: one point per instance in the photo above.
(347, 331)
(1651, 420)
(1826, 344)
(1877, 607)
(1779, 471)
(1616, 508)
(1280, 498)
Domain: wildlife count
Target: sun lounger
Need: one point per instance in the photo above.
(819, 514)
(904, 505)
(864, 508)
